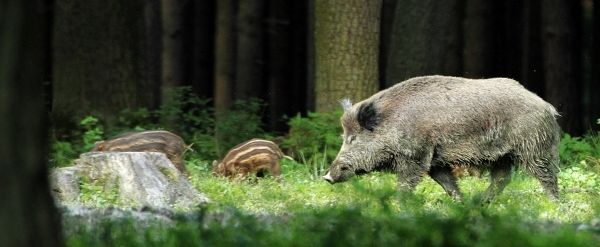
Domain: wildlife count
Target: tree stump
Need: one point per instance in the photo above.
(134, 179)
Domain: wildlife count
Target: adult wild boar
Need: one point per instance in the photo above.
(426, 124)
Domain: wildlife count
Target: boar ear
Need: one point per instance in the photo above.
(367, 116)
(346, 104)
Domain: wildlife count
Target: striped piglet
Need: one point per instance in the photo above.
(148, 141)
(254, 156)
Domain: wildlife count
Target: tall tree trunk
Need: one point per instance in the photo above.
(172, 16)
(346, 51)
(310, 57)
(279, 62)
(249, 80)
(507, 26)
(201, 69)
(151, 93)
(595, 83)
(478, 52)
(532, 75)
(561, 56)
(387, 22)
(298, 55)
(425, 40)
(99, 57)
(224, 54)
(27, 213)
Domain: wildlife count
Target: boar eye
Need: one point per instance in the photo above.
(351, 138)
(344, 168)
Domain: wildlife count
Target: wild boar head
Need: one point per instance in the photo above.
(364, 148)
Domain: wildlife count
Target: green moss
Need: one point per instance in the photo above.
(100, 193)
(169, 173)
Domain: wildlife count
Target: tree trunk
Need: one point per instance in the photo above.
(595, 83)
(150, 86)
(531, 40)
(99, 59)
(249, 80)
(201, 67)
(561, 56)
(279, 62)
(224, 55)
(27, 213)
(425, 40)
(310, 57)
(387, 21)
(298, 56)
(172, 46)
(346, 51)
(478, 52)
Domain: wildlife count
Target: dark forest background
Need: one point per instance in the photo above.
(111, 55)
(102, 57)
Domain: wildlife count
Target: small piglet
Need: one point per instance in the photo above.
(253, 156)
(148, 141)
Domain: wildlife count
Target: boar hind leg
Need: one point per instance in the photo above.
(545, 169)
(500, 176)
(442, 174)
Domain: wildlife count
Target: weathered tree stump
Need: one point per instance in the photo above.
(137, 179)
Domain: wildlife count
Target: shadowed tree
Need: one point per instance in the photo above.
(595, 83)
(224, 54)
(478, 38)
(425, 39)
(27, 213)
(346, 51)
(101, 58)
(561, 59)
(200, 42)
(249, 69)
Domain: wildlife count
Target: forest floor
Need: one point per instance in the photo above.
(304, 210)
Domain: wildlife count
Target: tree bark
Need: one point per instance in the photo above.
(279, 62)
(224, 55)
(478, 52)
(346, 51)
(561, 56)
(27, 213)
(310, 57)
(387, 21)
(172, 15)
(425, 40)
(595, 83)
(298, 56)
(99, 59)
(249, 80)
(532, 76)
(201, 65)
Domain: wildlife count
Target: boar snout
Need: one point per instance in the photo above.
(328, 178)
(339, 171)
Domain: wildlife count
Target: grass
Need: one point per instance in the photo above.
(304, 210)
(299, 192)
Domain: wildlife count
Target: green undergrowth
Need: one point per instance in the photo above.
(298, 192)
(301, 209)
(365, 211)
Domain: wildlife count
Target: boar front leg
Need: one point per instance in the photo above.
(442, 174)
(410, 173)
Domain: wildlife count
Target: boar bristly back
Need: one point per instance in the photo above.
(426, 125)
